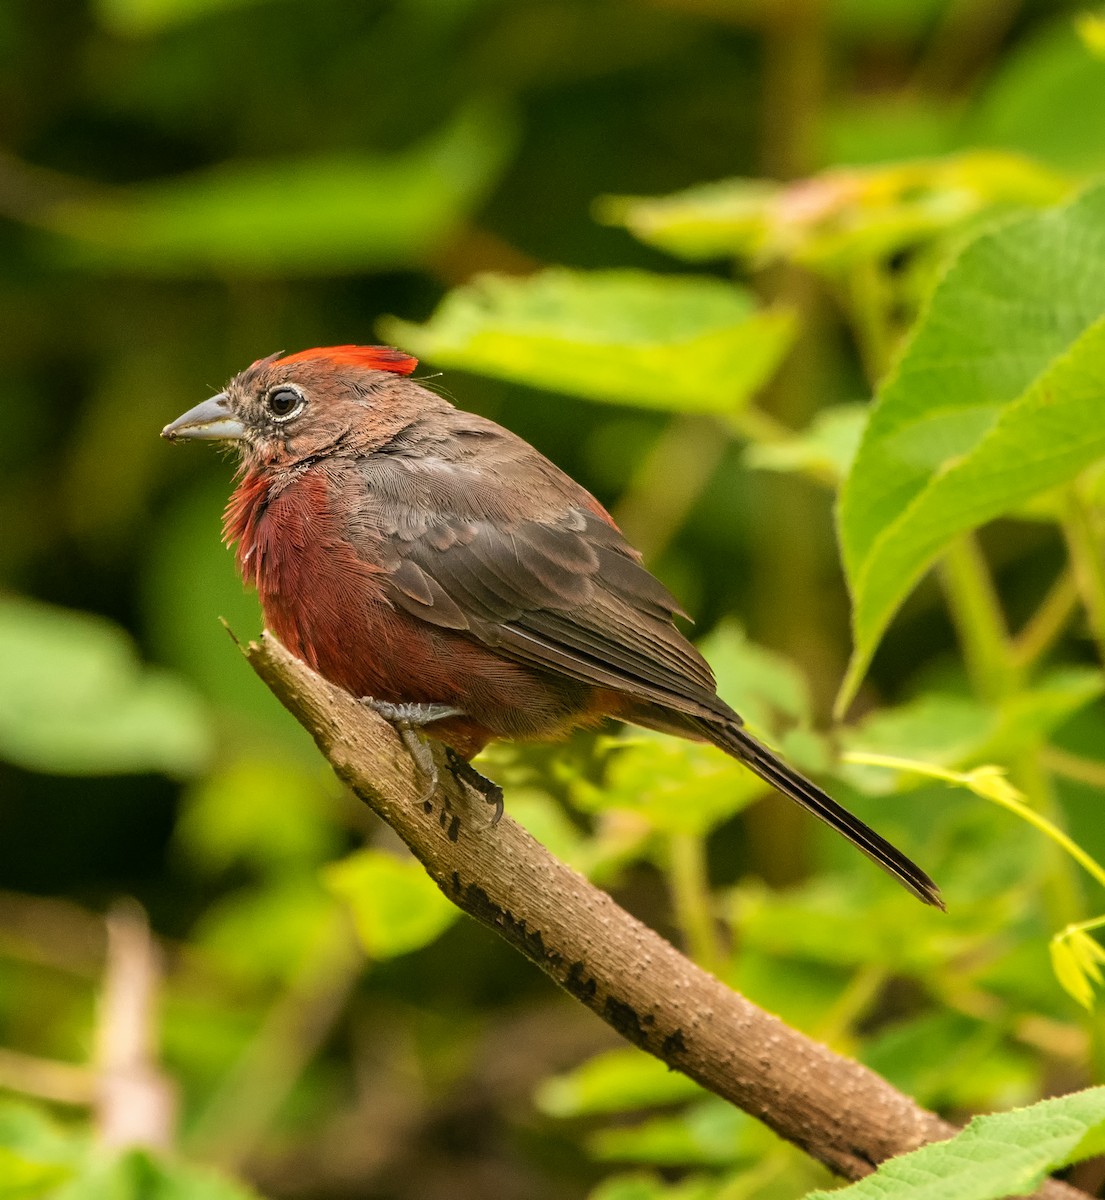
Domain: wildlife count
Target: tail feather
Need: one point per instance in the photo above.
(770, 768)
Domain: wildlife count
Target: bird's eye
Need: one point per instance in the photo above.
(284, 402)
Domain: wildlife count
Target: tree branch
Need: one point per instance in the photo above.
(835, 1109)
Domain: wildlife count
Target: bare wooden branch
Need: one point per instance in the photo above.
(837, 1110)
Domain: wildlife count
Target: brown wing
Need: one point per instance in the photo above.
(501, 545)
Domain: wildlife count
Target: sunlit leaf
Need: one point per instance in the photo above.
(145, 17)
(546, 820)
(640, 1186)
(678, 343)
(996, 399)
(890, 127)
(70, 1167)
(951, 729)
(140, 1175)
(709, 1133)
(23, 1179)
(613, 1082)
(948, 1060)
(761, 684)
(270, 813)
(396, 906)
(943, 728)
(75, 699)
(1068, 970)
(266, 932)
(1076, 959)
(1029, 105)
(1008, 1154)
(677, 786)
(838, 218)
(824, 450)
(332, 214)
(1090, 27)
(839, 922)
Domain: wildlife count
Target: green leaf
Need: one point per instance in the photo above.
(709, 1133)
(266, 933)
(825, 450)
(839, 218)
(24, 1179)
(946, 729)
(540, 814)
(1008, 1154)
(137, 18)
(1028, 106)
(996, 400)
(762, 685)
(677, 343)
(1076, 959)
(838, 922)
(139, 1175)
(641, 1186)
(333, 214)
(76, 700)
(396, 906)
(949, 729)
(1090, 27)
(889, 127)
(687, 787)
(947, 1060)
(41, 1158)
(676, 786)
(621, 1079)
(277, 815)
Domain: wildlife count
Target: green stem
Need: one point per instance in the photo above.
(852, 1003)
(1075, 766)
(979, 620)
(286, 1040)
(690, 893)
(869, 301)
(1043, 628)
(1064, 898)
(670, 481)
(755, 425)
(1085, 546)
(987, 783)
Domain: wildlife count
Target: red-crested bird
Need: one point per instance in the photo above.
(435, 562)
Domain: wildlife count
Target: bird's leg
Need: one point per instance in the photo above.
(409, 721)
(467, 776)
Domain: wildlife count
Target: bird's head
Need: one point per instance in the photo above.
(287, 408)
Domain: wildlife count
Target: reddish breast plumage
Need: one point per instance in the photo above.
(328, 604)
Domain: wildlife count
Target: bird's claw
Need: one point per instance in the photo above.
(410, 721)
(468, 777)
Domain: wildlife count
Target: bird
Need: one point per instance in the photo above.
(439, 566)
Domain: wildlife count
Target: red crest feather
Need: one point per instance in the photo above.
(371, 358)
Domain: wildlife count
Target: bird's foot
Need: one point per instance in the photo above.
(469, 778)
(409, 721)
(411, 716)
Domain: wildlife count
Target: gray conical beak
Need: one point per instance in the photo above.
(212, 420)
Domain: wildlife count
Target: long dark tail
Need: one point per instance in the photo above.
(770, 768)
(730, 736)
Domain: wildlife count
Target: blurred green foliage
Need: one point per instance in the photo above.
(896, 238)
